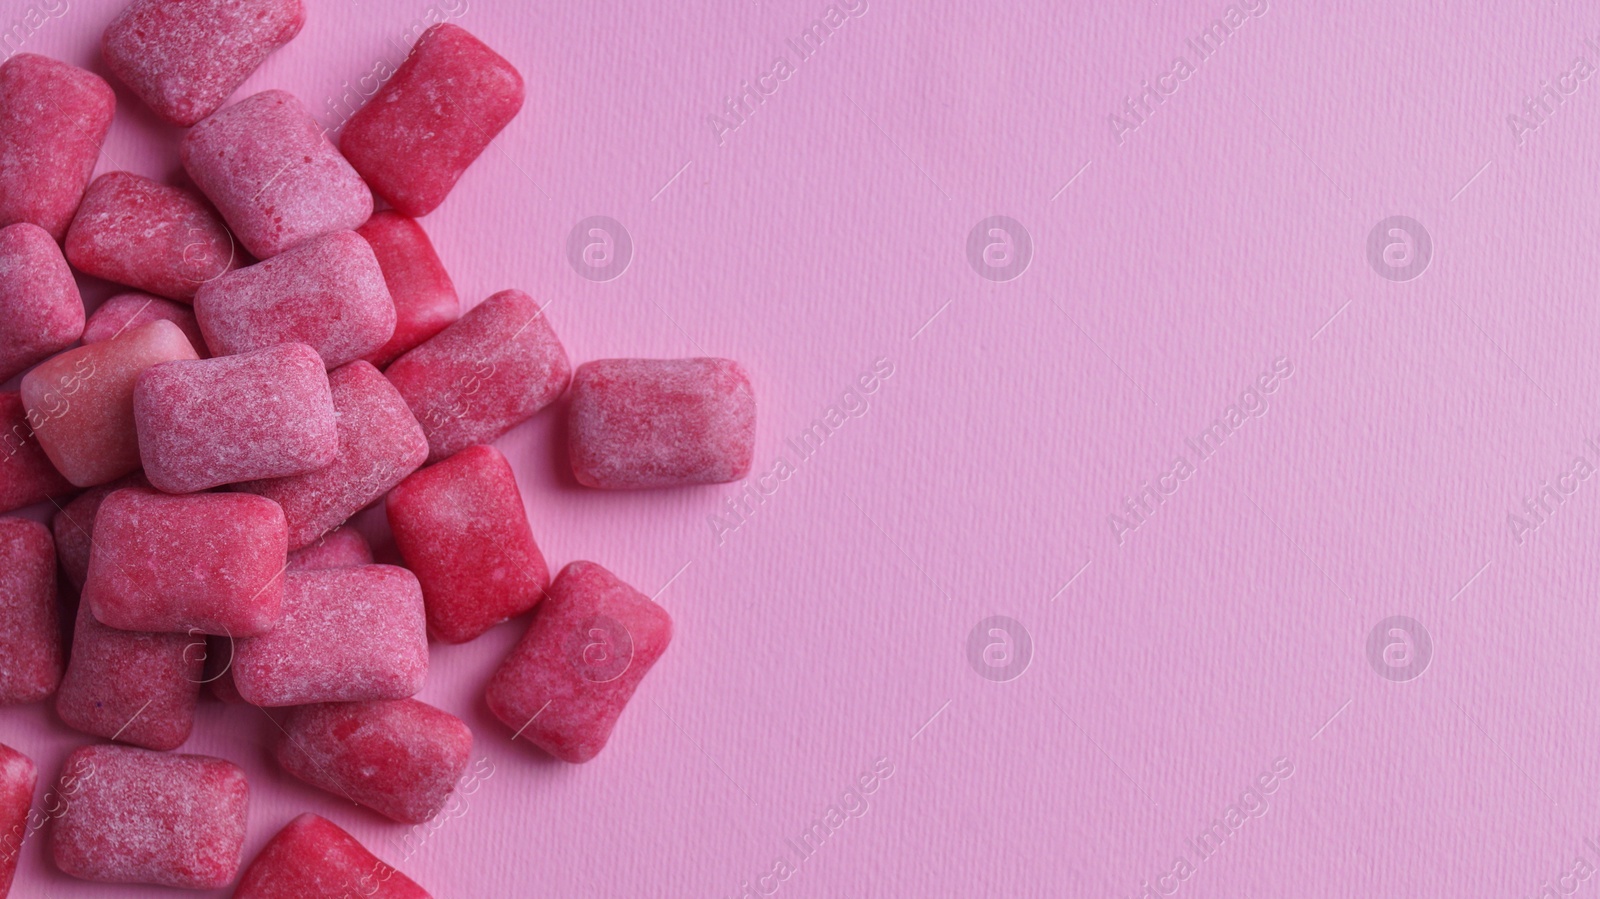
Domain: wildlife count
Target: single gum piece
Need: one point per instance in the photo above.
(126, 311)
(144, 234)
(184, 58)
(18, 778)
(461, 527)
(206, 562)
(347, 635)
(379, 444)
(446, 102)
(53, 119)
(425, 300)
(81, 402)
(565, 684)
(339, 548)
(327, 293)
(134, 687)
(73, 526)
(272, 174)
(312, 856)
(265, 414)
(638, 423)
(151, 817)
(400, 758)
(30, 633)
(481, 376)
(41, 312)
(26, 475)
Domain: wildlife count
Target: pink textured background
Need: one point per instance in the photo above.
(1226, 632)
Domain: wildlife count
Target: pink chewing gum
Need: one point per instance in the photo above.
(53, 118)
(272, 174)
(446, 102)
(565, 684)
(400, 757)
(266, 414)
(144, 234)
(18, 778)
(127, 311)
(461, 528)
(347, 635)
(184, 58)
(30, 634)
(339, 548)
(26, 475)
(425, 300)
(150, 817)
(379, 444)
(481, 376)
(205, 562)
(129, 686)
(638, 423)
(311, 856)
(73, 526)
(81, 402)
(41, 312)
(327, 293)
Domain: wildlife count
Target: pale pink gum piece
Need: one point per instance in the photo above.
(18, 778)
(339, 548)
(184, 58)
(347, 635)
(73, 526)
(476, 379)
(263, 414)
(565, 684)
(203, 562)
(379, 444)
(30, 633)
(144, 234)
(637, 423)
(446, 102)
(53, 118)
(327, 293)
(311, 856)
(461, 528)
(132, 309)
(399, 757)
(273, 175)
(26, 475)
(425, 300)
(81, 402)
(152, 817)
(41, 312)
(138, 688)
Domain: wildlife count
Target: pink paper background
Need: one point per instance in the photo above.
(1229, 630)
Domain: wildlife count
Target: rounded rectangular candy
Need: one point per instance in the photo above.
(272, 174)
(311, 856)
(41, 312)
(81, 402)
(461, 528)
(203, 562)
(184, 58)
(144, 234)
(347, 635)
(565, 684)
(446, 102)
(30, 634)
(660, 423)
(397, 757)
(73, 526)
(476, 379)
(53, 118)
(339, 548)
(425, 300)
(18, 778)
(379, 444)
(327, 293)
(264, 414)
(152, 817)
(26, 475)
(132, 309)
(139, 688)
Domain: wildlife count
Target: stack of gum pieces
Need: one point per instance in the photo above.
(275, 361)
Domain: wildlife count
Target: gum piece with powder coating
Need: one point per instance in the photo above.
(73, 526)
(425, 300)
(126, 311)
(41, 311)
(53, 119)
(26, 475)
(142, 233)
(18, 778)
(138, 688)
(311, 856)
(30, 635)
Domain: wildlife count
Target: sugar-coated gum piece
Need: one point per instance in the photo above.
(18, 778)
(53, 119)
(341, 547)
(151, 817)
(73, 526)
(126, 311)
(30, 634)
(425, 300)
(142, 233)
(26, 475)
(134, 687)
(311, 856)
(41, 312)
